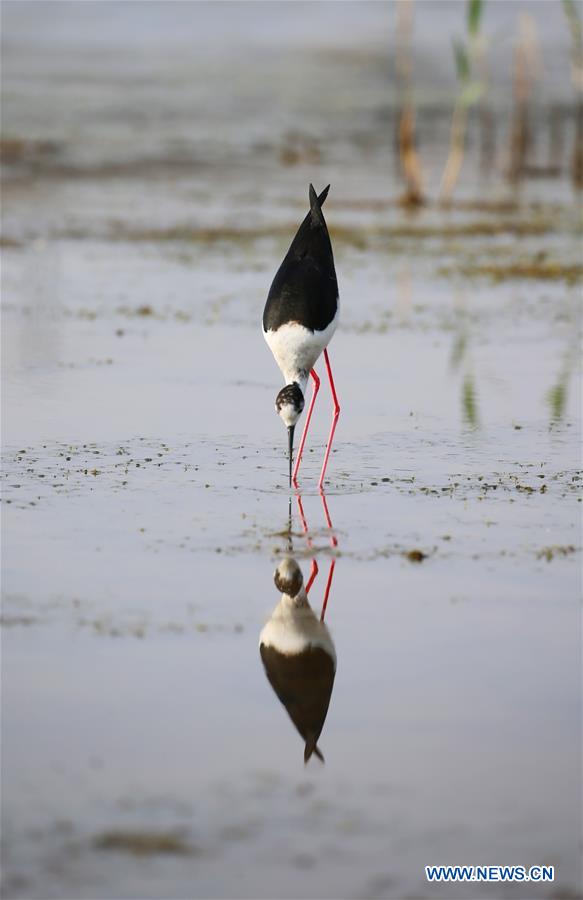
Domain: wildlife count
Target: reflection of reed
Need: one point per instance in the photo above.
(558, 393)
(470, 400)
(404, 300)
(461, 359)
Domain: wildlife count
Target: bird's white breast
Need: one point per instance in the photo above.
(293, 628)
(296, 349)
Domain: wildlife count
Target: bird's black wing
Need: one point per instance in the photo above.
(305, 288)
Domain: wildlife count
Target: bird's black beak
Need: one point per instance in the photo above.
(290, 434)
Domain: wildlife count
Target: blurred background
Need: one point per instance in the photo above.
(99, 91)
(450, 132)
(156, 159)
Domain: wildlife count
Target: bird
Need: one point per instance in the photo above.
(299, 657)
(299, 320)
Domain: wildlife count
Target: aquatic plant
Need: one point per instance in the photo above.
(470, 89)
(409, 161)
(526, 66)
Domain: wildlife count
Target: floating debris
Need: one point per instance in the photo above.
(144, 843)
(549, 553)
(415, 556)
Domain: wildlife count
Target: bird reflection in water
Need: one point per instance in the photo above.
(296, 648)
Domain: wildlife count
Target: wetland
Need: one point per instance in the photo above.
(155, 168)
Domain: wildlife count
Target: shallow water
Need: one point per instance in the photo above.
(145, 504)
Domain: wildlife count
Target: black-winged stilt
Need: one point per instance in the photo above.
(298, 656)
(299, 319)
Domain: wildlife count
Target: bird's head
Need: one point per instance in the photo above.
(289, 404)
(288, 577)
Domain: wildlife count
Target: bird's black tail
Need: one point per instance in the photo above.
(312, 235)
(316, 204)
(311, 747)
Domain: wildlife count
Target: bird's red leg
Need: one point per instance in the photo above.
(303, 519)
(314, 568)
(327, 591)
(333, 539)
(335, 415)
(306, 426)
(313, 573)
(334, 543)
